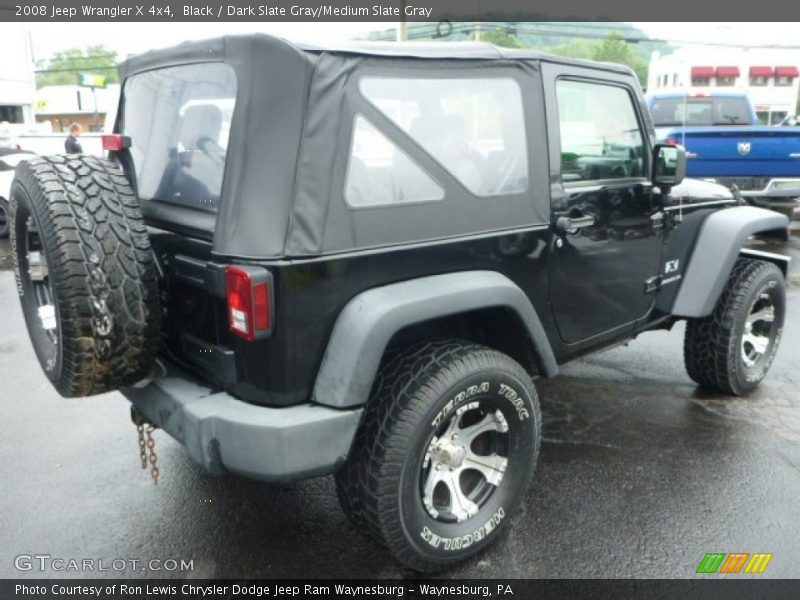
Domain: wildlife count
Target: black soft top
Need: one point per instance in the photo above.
(262, 45)
(282, 191)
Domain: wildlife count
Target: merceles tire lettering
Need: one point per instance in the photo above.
(465, 541)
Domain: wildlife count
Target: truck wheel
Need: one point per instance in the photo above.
(86, 275)
(732, 350)
(3, 218)
(446, 449)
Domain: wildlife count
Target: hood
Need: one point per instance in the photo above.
(700, 189)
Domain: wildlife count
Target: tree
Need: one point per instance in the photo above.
(611, 49)
(617, 50)
(501, 37)
(62, 68)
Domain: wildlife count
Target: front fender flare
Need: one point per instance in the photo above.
(716, 249)
(369, 320)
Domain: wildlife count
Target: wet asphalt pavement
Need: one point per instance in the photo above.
(641, 474)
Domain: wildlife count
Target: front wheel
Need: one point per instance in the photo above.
(732, 349)
(447, 447)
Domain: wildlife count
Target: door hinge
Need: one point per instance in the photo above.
(652, 284)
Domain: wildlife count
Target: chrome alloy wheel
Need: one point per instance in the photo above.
(464, 463)
(39, 275)
(758, 330)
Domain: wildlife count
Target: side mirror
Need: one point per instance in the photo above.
(669, 165)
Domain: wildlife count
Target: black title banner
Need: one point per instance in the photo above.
(440, 589)
(391, 10)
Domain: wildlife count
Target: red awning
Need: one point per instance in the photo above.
(761, 71)
(786, 72)
(702, 71)
(727, 71)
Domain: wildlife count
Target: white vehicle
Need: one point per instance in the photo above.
(7, 142)
(8, 163)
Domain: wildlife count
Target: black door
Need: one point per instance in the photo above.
(606, 246)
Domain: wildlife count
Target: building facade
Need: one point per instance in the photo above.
(770, 77)
(63, 105)
(17, 85)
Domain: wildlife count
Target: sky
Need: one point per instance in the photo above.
(133, 38)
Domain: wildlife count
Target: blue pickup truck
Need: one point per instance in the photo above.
(724, 142)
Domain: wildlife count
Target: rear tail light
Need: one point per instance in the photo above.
(116, 142)
(249, 292)
(671, 142)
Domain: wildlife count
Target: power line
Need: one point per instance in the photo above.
(595, 31)
(74, 69)
(526, 28)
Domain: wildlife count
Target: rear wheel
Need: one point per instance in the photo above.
(732, 349)
(85, 273)
(447, 447)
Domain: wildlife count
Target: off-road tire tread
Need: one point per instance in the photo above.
(403, 391)
(98, 251)
(711, 343)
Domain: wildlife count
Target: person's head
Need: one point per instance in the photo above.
(75, 129)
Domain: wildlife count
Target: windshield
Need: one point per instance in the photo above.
(710, 111)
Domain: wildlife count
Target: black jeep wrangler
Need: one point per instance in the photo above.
(302, 261)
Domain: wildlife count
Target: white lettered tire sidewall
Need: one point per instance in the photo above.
(445, 542)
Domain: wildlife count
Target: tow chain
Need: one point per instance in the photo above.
(142, 445)
(147, 444)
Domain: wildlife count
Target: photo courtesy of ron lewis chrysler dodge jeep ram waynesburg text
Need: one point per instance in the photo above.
(302, 261)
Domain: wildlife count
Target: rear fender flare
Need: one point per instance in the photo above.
(369, 320)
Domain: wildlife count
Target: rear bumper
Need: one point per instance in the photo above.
(225, 434)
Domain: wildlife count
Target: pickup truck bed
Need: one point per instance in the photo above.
(762, 162)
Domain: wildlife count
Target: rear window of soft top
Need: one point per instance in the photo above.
(178, 119)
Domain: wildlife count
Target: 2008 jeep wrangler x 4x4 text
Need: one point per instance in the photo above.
(303, 261)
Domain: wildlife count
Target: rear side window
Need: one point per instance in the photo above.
(178, 119)
(600, 133)
(474, 128)
(703, 112)
(379, 173)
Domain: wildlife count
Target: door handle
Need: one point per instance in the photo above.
(573, 225)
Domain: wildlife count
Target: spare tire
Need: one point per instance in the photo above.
(86, 274)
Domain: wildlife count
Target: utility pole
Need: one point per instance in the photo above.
(478, 26)
(402, 30)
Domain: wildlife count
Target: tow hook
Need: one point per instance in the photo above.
(147, 443)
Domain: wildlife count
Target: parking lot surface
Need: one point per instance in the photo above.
(641, 474)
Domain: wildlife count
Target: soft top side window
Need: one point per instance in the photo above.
(379, 173)
(475, 128)
(600, 133)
